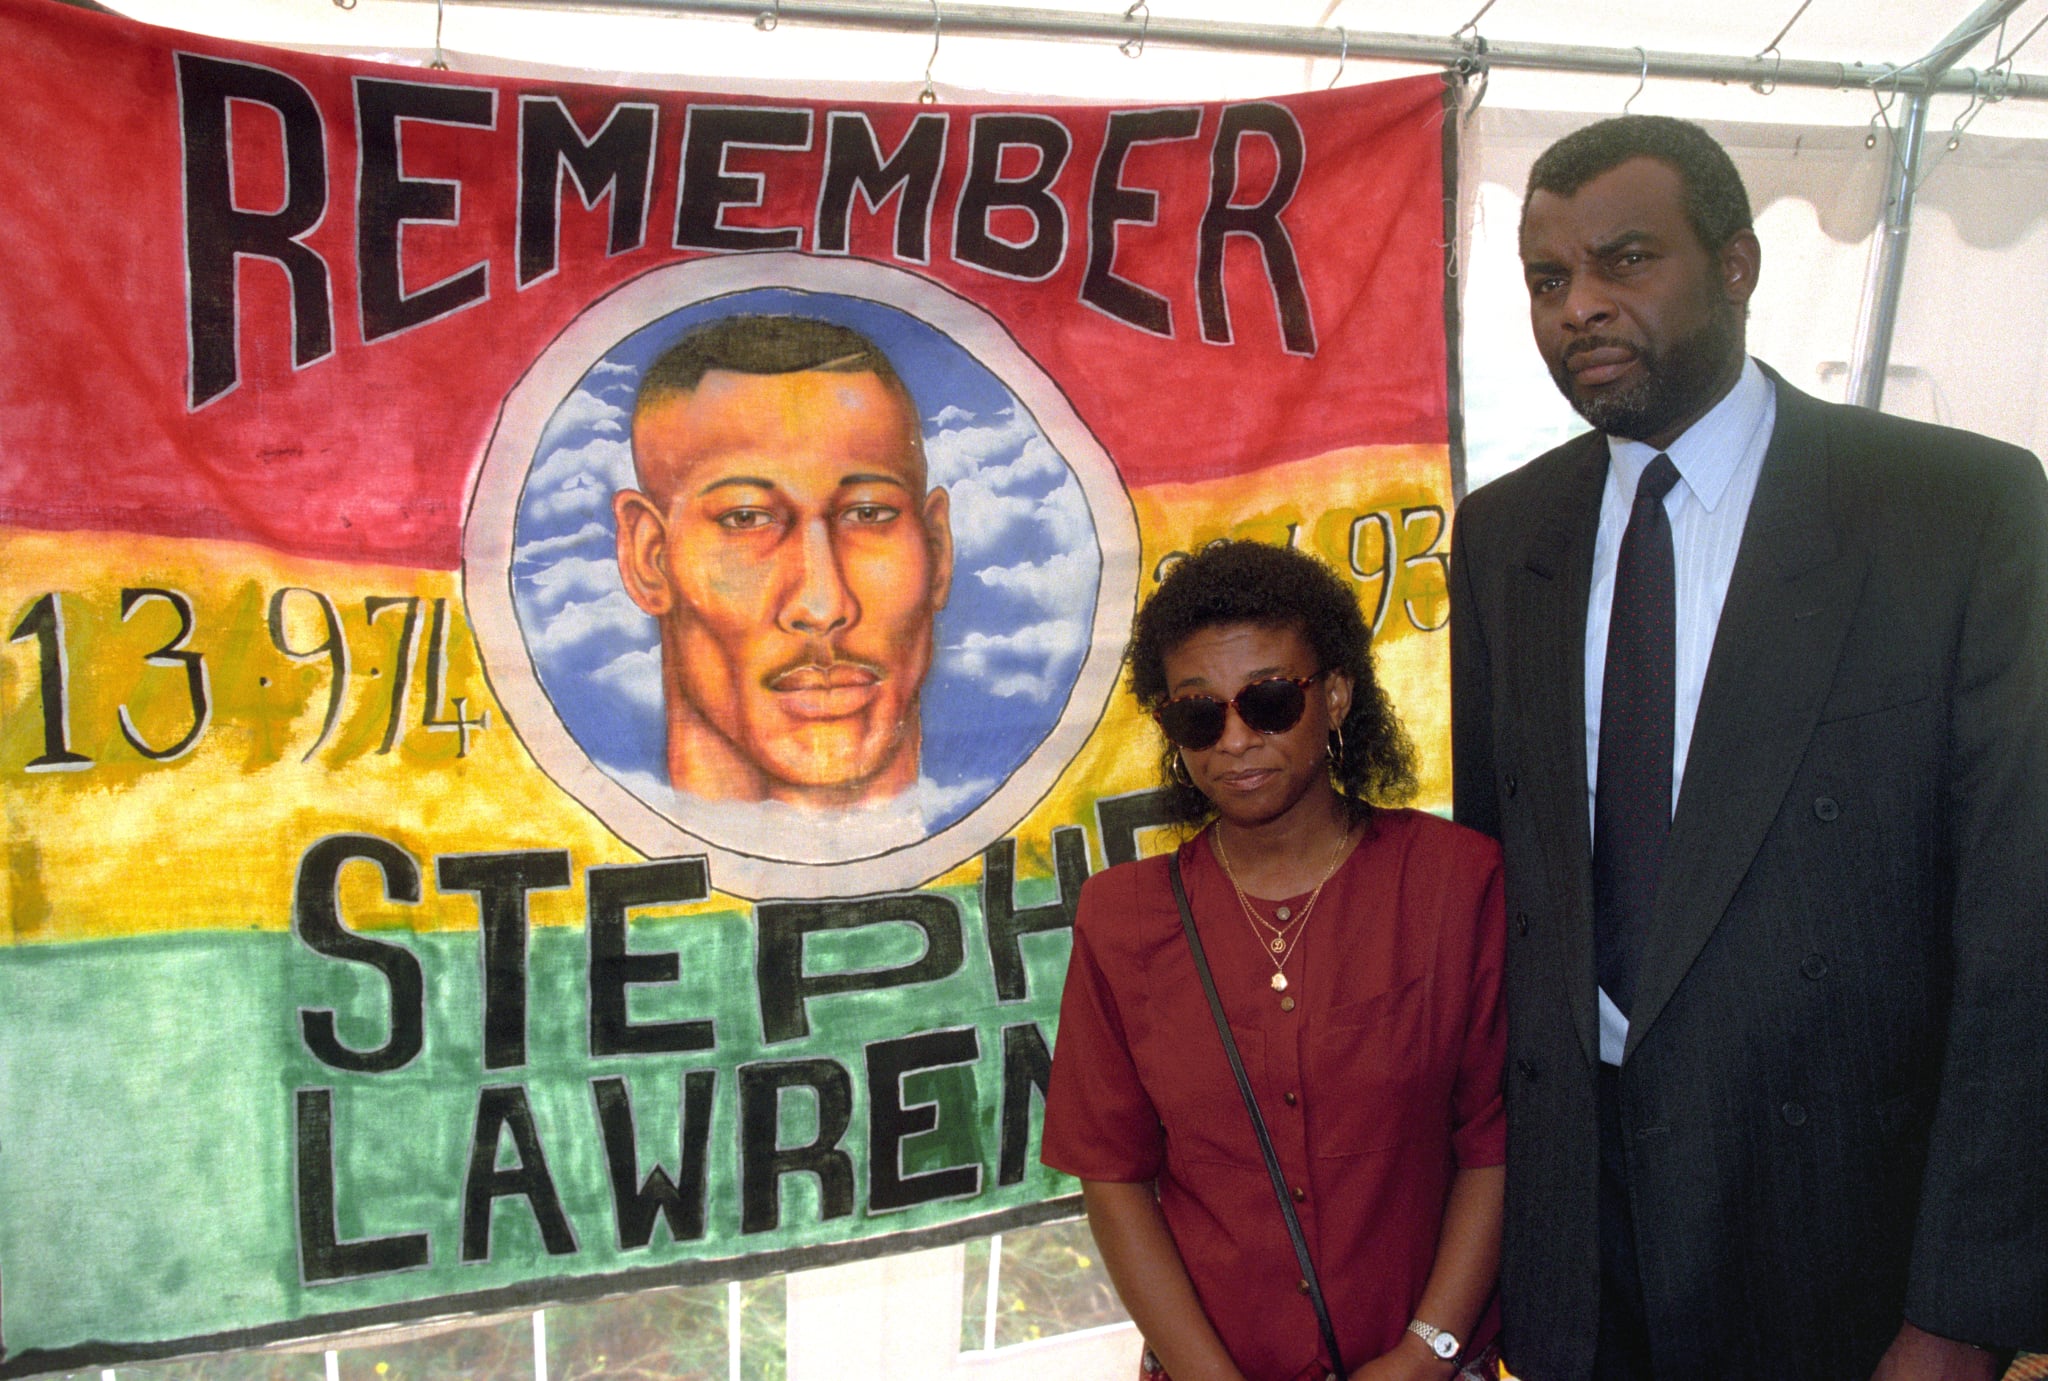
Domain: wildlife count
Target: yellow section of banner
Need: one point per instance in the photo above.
(1378, 514)
(179, 719)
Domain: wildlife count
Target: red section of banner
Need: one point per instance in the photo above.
(330, 446)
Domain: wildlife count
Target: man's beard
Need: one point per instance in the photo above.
(1671, 384)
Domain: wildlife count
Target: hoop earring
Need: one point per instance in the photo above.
(1177, 772)
(1336, 754)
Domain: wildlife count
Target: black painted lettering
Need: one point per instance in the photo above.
(637, 1203)
(891, 1121)
(316, 920)
(853, 163)
(784, 987)
(387, 201)
(708, 187)
(501, 882)
(1027, 1070)
(1260, 221)
(502, 1108)
(764, 1161)
(616, 162)
(1007, 922)
(217, 232)
(323, 1255)
(613, 969)
(1120, 818)
(1111, 204)
(986, 190)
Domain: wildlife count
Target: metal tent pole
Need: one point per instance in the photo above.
(916, 16)
(1879, 313)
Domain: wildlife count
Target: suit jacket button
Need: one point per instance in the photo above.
(1824, 808)
(1794, 1115)
(1526, 1070)
(1302, 1286)
(1814, 966)
(1521, 923)
(1509, 784)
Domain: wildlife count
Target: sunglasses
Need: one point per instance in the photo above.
(1271, 706)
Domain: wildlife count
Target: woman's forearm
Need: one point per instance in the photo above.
(1467, 1252)
(1146, 1269)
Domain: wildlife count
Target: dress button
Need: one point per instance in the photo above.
(1290, 1098)
(1302, 1286)
(1286, 1004)
(1814, 966)
(1794, 1115)
(1521, 923)
(1824, 808)
(1300, 1194)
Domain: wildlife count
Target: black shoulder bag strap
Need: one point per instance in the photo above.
(1251, 1105)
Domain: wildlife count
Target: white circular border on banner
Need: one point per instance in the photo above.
(487, 551)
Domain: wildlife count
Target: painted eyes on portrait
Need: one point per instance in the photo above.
(752, 518)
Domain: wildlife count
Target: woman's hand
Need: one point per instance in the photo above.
(1409, 1360)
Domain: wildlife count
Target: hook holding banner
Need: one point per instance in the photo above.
(929, 95)
(1135, 47)
(1642, 80)
(1884, 107)
(1768, 86)
(440, 62)
(1343, 56)
(767, 20)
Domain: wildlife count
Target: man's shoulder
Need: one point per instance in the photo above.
(1514, 491)
(1900, 457)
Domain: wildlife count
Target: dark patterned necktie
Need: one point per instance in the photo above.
(1632, 800)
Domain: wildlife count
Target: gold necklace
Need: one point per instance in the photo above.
(1280, 952)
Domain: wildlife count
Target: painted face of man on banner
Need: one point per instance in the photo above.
(784, 538)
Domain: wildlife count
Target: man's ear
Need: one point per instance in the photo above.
(643, 551)
(1740, 259)
(938, 535)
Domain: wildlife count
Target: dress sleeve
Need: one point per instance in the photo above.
(1478, 1122)
(1100, 1123)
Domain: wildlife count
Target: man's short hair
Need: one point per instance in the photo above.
(1715, 202)
(757, 343)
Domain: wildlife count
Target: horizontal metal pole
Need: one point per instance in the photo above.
(905, 16)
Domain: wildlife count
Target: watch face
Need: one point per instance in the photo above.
(1444, 1346)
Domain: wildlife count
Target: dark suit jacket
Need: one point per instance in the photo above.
(1835, 1090)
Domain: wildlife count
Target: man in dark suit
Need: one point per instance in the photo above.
(1753, 689)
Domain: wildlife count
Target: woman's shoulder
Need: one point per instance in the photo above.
(1420, 832)
(1129, 899)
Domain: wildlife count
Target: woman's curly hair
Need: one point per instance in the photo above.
(1253, 582)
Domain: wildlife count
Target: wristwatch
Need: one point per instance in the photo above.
(1442, 1341)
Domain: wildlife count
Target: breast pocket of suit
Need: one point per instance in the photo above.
(1376, 1081)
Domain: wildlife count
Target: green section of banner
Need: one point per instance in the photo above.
(183, 1200)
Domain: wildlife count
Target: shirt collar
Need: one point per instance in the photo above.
(1710, 451)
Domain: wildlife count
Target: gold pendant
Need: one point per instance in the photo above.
(1279, 982)
(1279, 945)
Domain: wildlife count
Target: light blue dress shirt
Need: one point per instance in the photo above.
(1719, 459)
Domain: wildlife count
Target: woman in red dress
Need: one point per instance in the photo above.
(1356, 948)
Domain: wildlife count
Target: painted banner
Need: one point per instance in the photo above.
(563, 649)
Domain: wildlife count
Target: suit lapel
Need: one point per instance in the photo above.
(1790, 601)
(1547, 594)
